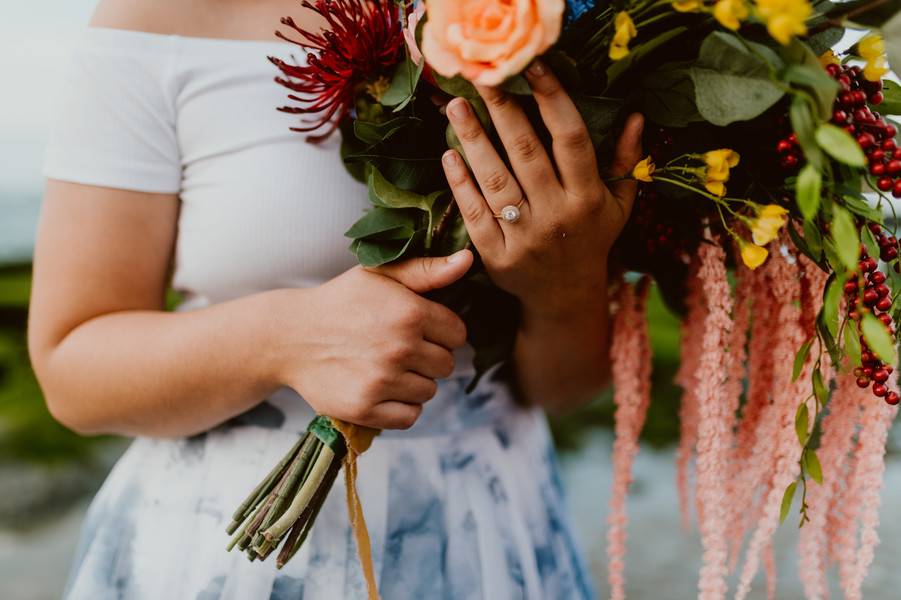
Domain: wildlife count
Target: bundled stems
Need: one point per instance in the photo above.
(289, 498)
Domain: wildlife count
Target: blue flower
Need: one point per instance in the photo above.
(577, 8)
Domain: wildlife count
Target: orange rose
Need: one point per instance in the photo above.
(487, 41)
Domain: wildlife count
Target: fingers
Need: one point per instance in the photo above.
(443, 326)
(433, 361)
(628, 153)
(497, 183)
(413, 388)
(530, 162)
(573, 151)
(392, 415)
(483, 228)
(423, 275)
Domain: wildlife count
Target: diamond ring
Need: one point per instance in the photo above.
(510, 213)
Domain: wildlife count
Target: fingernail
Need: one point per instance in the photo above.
(450, 158)
(536, 69)
(458, 108)
(456, 256)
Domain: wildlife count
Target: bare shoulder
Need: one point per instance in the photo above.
(229, 19)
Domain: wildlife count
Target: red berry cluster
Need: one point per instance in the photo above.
(852, 112)
(876, 297)
(874, 134)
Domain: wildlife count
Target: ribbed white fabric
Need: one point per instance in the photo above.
(197, 117)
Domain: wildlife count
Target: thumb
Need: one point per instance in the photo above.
(423, 275)
(628, 153)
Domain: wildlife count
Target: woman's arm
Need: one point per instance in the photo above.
(554, 258)
(110, 360)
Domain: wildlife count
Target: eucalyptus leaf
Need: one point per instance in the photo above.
(732, 83)
(517, 85)
(385, 194)
(808, 189)
(668, 96)
(844, 233)
(787, 498)
(456, 86)
(599, 114)
(824, 40)
(839, 144)
(372, 133)
(878, 338)
(639, 52)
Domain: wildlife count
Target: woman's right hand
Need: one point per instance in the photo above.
(370, 347)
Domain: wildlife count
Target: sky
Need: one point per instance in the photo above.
(35, 40)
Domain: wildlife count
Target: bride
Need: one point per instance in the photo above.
(170, 167)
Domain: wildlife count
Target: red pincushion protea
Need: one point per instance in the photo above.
(362, 42)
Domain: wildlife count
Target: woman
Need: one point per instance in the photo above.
(171, 164)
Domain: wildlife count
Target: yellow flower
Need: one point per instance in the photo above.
(829, 58)
(765, 228)
(624, 32)
(717, 173)
(730, 13)
(644, 170)
(872, 48)
(688, 5)
(751, 254)
(785, 18)
(875, 69)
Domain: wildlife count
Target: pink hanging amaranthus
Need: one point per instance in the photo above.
(631, 355)
(747, 453)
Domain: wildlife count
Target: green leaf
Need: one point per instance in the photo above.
(869, 240)
(787, 498)
(731, 82)
(802, 421)
(844, 233)
(891, 34)
(639, 52)
(878, 338)
(852, 343)
(379, 220)
(517, 85)
(812, 465)
(808, 190)
(892, 103)
(599, 114)
(861, 207)
(831, 300)
(839, 144)
(667, 96)
(372, 133)
(814, 240)
(403, 84)
(820, 391)
(804, 125)
(825, 40)
(863, 12)
(801, 358)
(385, 194)
(804, 71)
(373, 253)
(456, 86)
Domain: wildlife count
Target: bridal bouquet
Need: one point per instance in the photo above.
(761, 216)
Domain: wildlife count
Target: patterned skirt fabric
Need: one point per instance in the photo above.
(466, 504)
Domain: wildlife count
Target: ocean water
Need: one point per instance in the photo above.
(18, 219)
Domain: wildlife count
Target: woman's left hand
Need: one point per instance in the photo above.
(555, 255)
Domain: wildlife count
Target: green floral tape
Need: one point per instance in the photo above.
(323, 429)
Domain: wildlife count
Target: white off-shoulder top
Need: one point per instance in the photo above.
(260, 207)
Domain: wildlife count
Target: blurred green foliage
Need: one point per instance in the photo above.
(27, 431)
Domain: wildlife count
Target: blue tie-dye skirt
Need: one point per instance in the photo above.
(466, 504)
